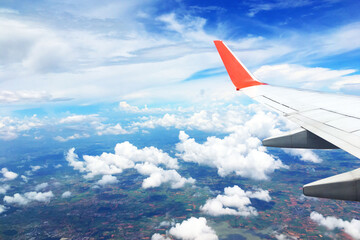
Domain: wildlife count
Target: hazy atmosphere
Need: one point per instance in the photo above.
(118, 119)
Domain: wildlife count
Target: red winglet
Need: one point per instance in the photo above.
(238, 73)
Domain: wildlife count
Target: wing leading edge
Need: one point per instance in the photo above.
(327, 121)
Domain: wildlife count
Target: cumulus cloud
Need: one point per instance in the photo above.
(66, 194)
(39, 196)
(235, 201)
(24, 178)
(158, 236)
(35, 168)
(105, 129)
(16, 199)
(350, 227)
(158, 176)
(105, 164)
(2, 209)
(58, 166)
(127, 156)
(193, 229)
(284, 237)
(237, 153)
(11, 128)
(4, 188)
(29, 197)
(107, 179)
(41, 186)
(127, 107)
(8, 175)
(304, 155)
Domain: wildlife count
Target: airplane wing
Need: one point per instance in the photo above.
(327, 121)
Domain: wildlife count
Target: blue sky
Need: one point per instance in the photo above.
(151, 52)
(67, 58)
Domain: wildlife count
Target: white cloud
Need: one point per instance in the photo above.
(24, 178)
(346, 38)
(35, 168)
(72, 137)
(237, 153)
(350, 227)
(220, 118)
(304, 155)
(193, 229)
(79, 119)
(29, 197)
(41, 186)
(284, 237)
(10, 128)
(78, 66)
(189, 28)
(347, 82)
(105, 164)
(89, 123)
(202, 120)
(127, 107)
(158, 236)
(2, 209)
(127, 156)
(297, 75)
(158, 176)
(124, 106)
(240, 152)
(58, 166)
(107, 179)
(271, 5)
(235, 201)
(73, 161)
(66, 194)
(4, 188)
(16, 199)
(59, 62)
(147, 154)
(111, 130)
(39, 196)
(8, 175)
(26, 96)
